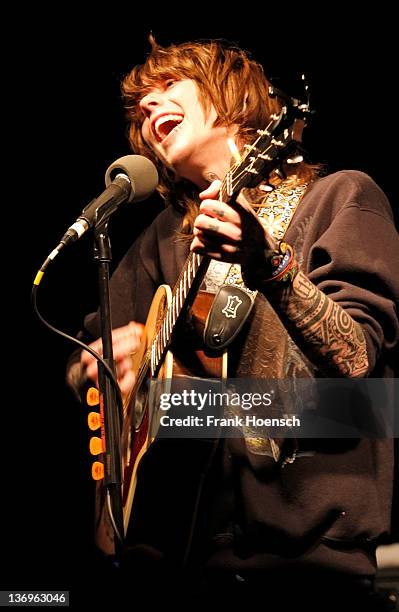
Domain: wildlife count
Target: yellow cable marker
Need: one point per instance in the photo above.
(38, 277)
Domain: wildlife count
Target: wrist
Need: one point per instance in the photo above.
(278, 268)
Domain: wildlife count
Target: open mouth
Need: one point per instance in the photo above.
(165, 125)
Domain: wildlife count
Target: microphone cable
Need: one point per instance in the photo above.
(108, 371)
(83, 345)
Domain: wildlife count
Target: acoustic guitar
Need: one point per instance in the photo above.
(161, 356)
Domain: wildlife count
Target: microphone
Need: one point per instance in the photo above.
(131, 178)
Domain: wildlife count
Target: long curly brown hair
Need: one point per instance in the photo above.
(228, 79)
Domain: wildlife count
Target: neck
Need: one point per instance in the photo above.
(210, 162)
(203, 175)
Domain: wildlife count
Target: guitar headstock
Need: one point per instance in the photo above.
(278, 142)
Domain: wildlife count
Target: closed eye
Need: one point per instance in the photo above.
(162, 85)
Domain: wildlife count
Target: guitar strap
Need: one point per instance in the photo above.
(233, 301)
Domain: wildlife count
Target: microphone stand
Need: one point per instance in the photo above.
(112, 417)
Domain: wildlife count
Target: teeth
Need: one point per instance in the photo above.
(176, 118)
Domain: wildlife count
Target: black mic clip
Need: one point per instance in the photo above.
(131, 178)
(98, 211)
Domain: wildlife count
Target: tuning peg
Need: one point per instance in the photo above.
(297, 159)
(299, 154)
(266, 187)
(264, 132)
(275, 92)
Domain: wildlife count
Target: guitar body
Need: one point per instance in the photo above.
(187, 356)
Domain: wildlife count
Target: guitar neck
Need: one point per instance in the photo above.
(184, 292)
(183, 295)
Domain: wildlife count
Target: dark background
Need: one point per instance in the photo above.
(67, 125)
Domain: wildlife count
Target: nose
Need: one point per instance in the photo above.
(149, 102)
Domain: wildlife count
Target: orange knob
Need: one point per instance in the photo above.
(96, 445)
(92, 396)
(94, 420)
(97, 470)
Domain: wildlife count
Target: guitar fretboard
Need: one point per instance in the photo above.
(179, 296)
(186, 287)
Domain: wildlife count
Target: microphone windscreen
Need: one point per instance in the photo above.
(142, 174)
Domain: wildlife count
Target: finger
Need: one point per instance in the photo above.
(214, 242)
(211, 191)
(125, 347)
(136, 328)
(212, 226)
(220, 210)
(124, 367)
(227, 257)
(92, 371)
(222, 252)
(126, 382)
(132, 331)
(124, 339)
(86, 358)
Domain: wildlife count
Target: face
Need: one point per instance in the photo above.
(181, 135)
